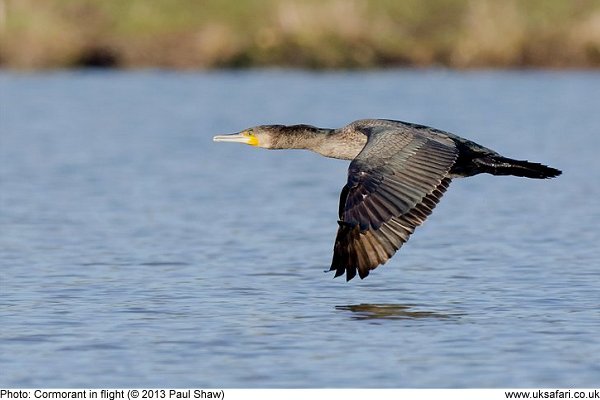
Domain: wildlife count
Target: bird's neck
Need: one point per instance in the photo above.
(331, 143)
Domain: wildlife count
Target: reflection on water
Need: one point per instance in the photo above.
(134, 251)
(390, 311)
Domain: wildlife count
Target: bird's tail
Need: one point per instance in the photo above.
(498, 165)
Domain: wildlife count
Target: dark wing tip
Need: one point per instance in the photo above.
(343, 253)
(359, 251)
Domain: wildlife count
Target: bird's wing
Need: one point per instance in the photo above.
(393, 185)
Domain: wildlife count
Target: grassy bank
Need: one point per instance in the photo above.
(37, 34)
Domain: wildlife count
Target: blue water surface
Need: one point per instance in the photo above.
(134, 251)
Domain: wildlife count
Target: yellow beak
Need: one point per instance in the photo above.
(237, 138)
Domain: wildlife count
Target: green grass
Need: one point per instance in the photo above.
(37, 34)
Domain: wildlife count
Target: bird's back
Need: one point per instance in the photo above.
(411, 129)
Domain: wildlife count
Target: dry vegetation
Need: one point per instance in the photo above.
(38, 34)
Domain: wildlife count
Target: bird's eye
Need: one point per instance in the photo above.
(249, 133)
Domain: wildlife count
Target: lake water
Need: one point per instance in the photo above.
(134, 251)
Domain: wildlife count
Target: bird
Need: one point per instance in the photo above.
(397, 175)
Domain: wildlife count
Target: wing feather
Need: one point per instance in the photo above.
(393, 186)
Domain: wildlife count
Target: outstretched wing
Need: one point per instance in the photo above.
(393, 185)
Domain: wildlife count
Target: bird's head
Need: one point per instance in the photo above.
(260, 136)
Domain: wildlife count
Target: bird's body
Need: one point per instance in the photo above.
(399, 172)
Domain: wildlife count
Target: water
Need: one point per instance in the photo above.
(134, 251)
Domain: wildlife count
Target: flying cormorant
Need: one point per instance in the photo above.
(399, 172)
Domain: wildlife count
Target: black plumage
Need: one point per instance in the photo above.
(398, 174)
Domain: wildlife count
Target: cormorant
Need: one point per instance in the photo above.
(399, 172)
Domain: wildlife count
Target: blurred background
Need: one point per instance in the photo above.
(135, 251)
(195, 34)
